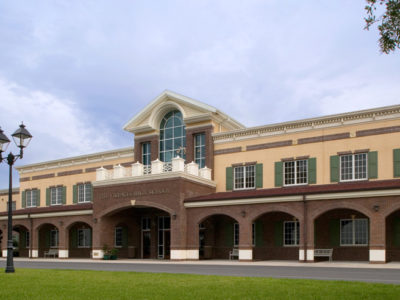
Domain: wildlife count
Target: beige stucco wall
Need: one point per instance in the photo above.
(383, 143)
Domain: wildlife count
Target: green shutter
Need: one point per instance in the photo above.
(75, 194)
(37, 198)
(278, 234)
(74, 238)
(312, 170)
(396, 232)
(259, 175)
(373, 164)
(229, 234)
(229, 178)
(124, 237)
(259, 234)
(22, 239)
(396, 162)
(47, 238)
(335, 168)
(23, 202)
(48, 197)
(64, 195)
(334, 232)
(278, 173)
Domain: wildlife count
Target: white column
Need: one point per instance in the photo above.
(193, 168)
(118, 171)
(137, 169)
(156, 166)
(205, 173)
(377, 256)
(245, 254)
(178, 164)
(101, 174)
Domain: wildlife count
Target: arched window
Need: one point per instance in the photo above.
(172, 136)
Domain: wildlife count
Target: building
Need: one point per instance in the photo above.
(199, 184)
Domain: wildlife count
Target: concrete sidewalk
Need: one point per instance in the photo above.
(274, 263)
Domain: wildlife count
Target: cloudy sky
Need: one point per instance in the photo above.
(76, 71)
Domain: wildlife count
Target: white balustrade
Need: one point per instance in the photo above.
(205, 173)
(119, 171)
(101, 174)
(192, 168)
(157, 167)
(178, 164)
(137, 169)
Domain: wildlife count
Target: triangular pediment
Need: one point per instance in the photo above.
(148, 119)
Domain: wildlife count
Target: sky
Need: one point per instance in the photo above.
(76, 71)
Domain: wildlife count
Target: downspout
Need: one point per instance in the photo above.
(305, 228)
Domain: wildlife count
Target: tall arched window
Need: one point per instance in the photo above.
(172, 136)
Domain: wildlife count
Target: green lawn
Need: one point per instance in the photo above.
(68, 284)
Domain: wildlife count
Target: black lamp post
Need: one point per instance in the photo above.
(21, 137)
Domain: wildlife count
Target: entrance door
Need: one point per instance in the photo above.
(164, 237)
(146, 237)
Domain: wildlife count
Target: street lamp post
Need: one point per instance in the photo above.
(21, 137)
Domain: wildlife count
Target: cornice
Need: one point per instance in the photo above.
(4, 192)
(77, 160)
(350, 118)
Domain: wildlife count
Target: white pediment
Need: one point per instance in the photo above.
(149, 118)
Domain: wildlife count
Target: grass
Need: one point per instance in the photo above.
(71, 284)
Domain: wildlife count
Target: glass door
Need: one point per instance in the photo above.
(164, 237)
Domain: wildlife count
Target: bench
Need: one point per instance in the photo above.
(323, 253)
(234, 253)
(51, 253)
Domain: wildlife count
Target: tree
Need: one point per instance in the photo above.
(389, 23)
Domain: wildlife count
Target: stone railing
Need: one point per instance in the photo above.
(157, 167)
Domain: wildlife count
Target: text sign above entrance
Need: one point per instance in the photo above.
(135, 194)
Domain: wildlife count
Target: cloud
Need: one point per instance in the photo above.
(59, 127)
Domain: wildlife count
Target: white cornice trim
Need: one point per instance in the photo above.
(322, 196)
(152, 177)
(52, 214)
(338, 120)
(78, 160)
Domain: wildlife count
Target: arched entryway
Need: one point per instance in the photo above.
(48, 235)
(137, 232)
(21, 241)
(218, 236)
(276, 236)
(393, 236)
(80, 240)
(346, 231)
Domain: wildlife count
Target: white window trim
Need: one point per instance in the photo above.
(295, 173)
(201, 158)
(115, 237)
(284, 240)
(57, 188)
(353, 164)
(354, 233)
(26, 197)
(84, 192)
(236, 225)
(244, 178)
(84, 230)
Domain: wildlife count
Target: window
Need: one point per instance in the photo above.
(146, 223)
(353, 232)
(291, 232)
(236, 234)
(253, 234)
(172, 136)
(31, 197)
(244, 177)
(27, 239)
(84, 192)
(353, 167)
(118, 236)
(200, 149)
(56, 195)
(84, 238)
(295, 172)
(146, 154)
(54, 238)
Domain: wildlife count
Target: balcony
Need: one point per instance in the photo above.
(157, 167)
